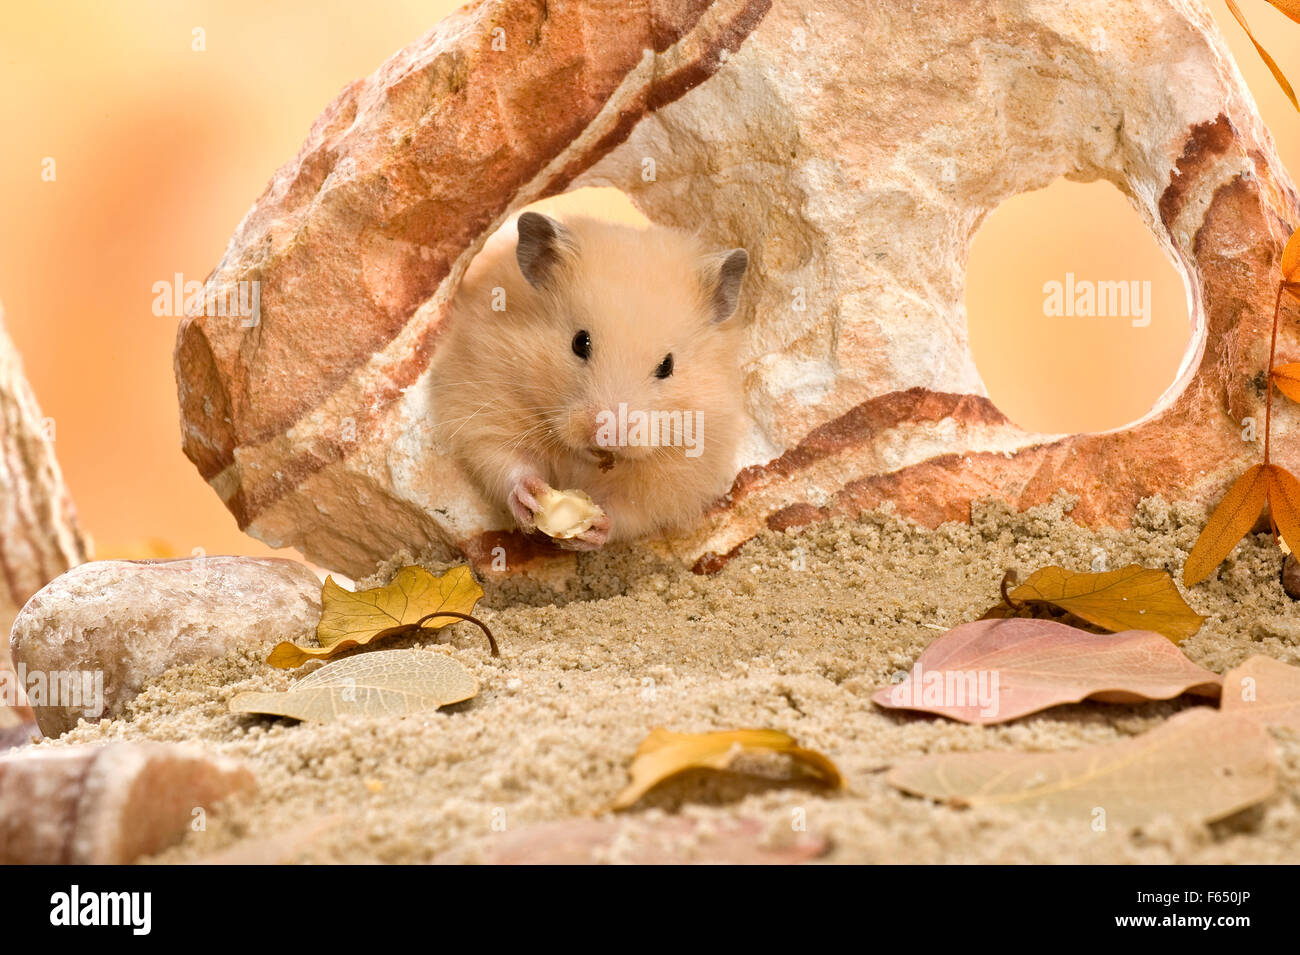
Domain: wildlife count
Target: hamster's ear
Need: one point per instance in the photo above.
(723, 273)
(543, 243)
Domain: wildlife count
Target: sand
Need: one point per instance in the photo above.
(794, 634)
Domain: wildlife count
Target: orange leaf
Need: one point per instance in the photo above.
(1291, 257)
(1287, 379)
(1284, 505)
(1131, 598)
(1230, 522)
(1290, 266)
(664, 754)
(1290, 8)
(1263, 55)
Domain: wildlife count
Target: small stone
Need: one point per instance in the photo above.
(1291, 577)
(94, 636)
(106, 804)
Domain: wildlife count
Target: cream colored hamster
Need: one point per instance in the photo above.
(601, 357)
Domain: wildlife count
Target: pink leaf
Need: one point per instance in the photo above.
(991, 671)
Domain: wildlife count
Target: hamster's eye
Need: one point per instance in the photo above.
(582, 345)
(665, 367)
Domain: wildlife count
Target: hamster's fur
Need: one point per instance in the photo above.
(519, 390)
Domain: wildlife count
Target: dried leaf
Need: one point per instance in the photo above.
(1291, 257)
(1200, 766)
(1287, 378)
(664, 754)
(1263, 54)
(1284, 504)
(1132, 598)
(1289, 7)
(382, 683)
(1231, 521)
(356, 619)
(991, 671)
(1290, 266)
(1264, 690)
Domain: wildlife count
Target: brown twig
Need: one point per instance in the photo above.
(1272, 351)
(1008, 579)
(461, 616)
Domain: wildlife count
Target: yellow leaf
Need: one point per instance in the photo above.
(383, 683)
(1132, 598)
(1230, 522)
(1200, 766)
(355, 619)
(1287, 379)
(1284, 504)
(1263, 54)
(664, 754)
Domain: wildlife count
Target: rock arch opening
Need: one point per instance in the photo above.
(1078, 320)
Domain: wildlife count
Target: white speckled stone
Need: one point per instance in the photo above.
(131, 620)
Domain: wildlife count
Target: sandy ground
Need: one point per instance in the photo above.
(793, 634)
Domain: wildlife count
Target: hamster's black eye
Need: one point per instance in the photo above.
(665, 367)
(582, 345)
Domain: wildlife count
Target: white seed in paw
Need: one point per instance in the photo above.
(565, 514)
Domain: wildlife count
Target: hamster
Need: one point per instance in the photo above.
(601, 357)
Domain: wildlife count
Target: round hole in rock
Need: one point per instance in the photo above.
(1078, 319)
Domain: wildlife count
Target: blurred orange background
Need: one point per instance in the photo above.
(159, 149)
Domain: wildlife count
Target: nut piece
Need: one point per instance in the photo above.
(565, 514)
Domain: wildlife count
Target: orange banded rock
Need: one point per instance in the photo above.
(852, 147)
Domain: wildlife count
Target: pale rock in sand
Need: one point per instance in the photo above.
(131, 620)
(106, 804)
(853, 147)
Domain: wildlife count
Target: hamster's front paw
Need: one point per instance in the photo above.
(523, 501)
(593, 538)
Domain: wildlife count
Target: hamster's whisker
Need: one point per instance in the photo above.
(468, 419)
